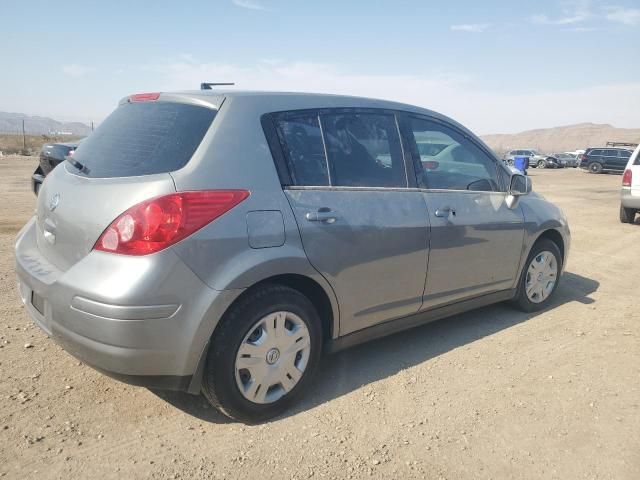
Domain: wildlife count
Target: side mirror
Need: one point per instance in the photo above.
(519, 185)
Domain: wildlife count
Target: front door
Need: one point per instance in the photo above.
(476, 240)
(362, 228)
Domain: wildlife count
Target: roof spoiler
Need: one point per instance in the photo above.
(209, 85)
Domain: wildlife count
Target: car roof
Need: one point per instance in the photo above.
(609, 148)
(262, 102)
(275, 101)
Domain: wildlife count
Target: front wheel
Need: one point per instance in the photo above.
(627, 215)
(541, 164)
(540, 277)
(263, 354)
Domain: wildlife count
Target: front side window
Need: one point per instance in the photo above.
(363, 150)
(457, 164)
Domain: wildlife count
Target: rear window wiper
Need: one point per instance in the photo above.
(80, 166)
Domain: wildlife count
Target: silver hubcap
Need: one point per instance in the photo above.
(272, 357)
(541, 277)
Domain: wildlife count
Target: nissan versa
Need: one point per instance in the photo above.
(219, 242)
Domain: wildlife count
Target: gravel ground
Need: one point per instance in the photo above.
(493, 393)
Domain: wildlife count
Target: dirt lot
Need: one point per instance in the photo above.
(490, 394)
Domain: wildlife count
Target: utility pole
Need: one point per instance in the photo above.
(92, 125)
(24, 138)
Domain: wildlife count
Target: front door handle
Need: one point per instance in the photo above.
(444, 212)
(322, 215)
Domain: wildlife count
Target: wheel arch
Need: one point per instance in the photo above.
(321, 296)
(556, 237)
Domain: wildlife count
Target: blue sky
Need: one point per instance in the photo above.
(494, 66)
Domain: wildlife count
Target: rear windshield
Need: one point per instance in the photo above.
(143, 138)
(57, 151)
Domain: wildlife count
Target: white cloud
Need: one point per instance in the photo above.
(573, 12)
(627, 16)
(74, 70)
(470, 27)
(250, 4)
(482, 111)
(582, 29)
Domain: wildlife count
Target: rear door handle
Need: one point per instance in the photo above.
(322, 215)
(444, 212)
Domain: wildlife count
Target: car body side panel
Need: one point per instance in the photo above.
(220, 253)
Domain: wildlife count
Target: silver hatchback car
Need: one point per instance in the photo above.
(219, 242)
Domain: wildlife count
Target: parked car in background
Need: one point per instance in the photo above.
(536, 159)
(155, 258)
(598, 160)
(630, 195)
(565, 159)
(51, 155)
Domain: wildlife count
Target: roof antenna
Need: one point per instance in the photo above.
(208, 85)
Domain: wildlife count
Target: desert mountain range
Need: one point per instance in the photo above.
(561, 139)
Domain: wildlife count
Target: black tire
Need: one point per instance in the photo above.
(627, 215)
(521, 301)
(219, 382)
(595, 167)
(541, 164)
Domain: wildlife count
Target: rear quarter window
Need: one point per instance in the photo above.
(144, 138)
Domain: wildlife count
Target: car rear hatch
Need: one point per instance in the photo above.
(128, 159)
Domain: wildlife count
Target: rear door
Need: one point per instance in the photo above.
(362, 225)
(476, 240)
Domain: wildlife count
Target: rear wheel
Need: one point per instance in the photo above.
(595, 167)
(627, 215)
(540, 277)
(263, 354)
(541, 164)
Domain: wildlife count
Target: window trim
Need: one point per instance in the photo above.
(411, 141)
(268, 121)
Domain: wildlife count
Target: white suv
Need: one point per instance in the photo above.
(630, 196)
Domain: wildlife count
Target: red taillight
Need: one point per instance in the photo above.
(144, 97)
(583, 157)
(155, 224)
(626, 178)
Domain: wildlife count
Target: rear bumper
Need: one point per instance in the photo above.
(630, 198)
(143, 320)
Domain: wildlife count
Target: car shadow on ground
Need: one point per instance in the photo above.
(356, 367)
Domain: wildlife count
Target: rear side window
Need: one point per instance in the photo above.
(596, 153)
(364, 150)
(144, 138)
(625, 154)
(346, 149)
